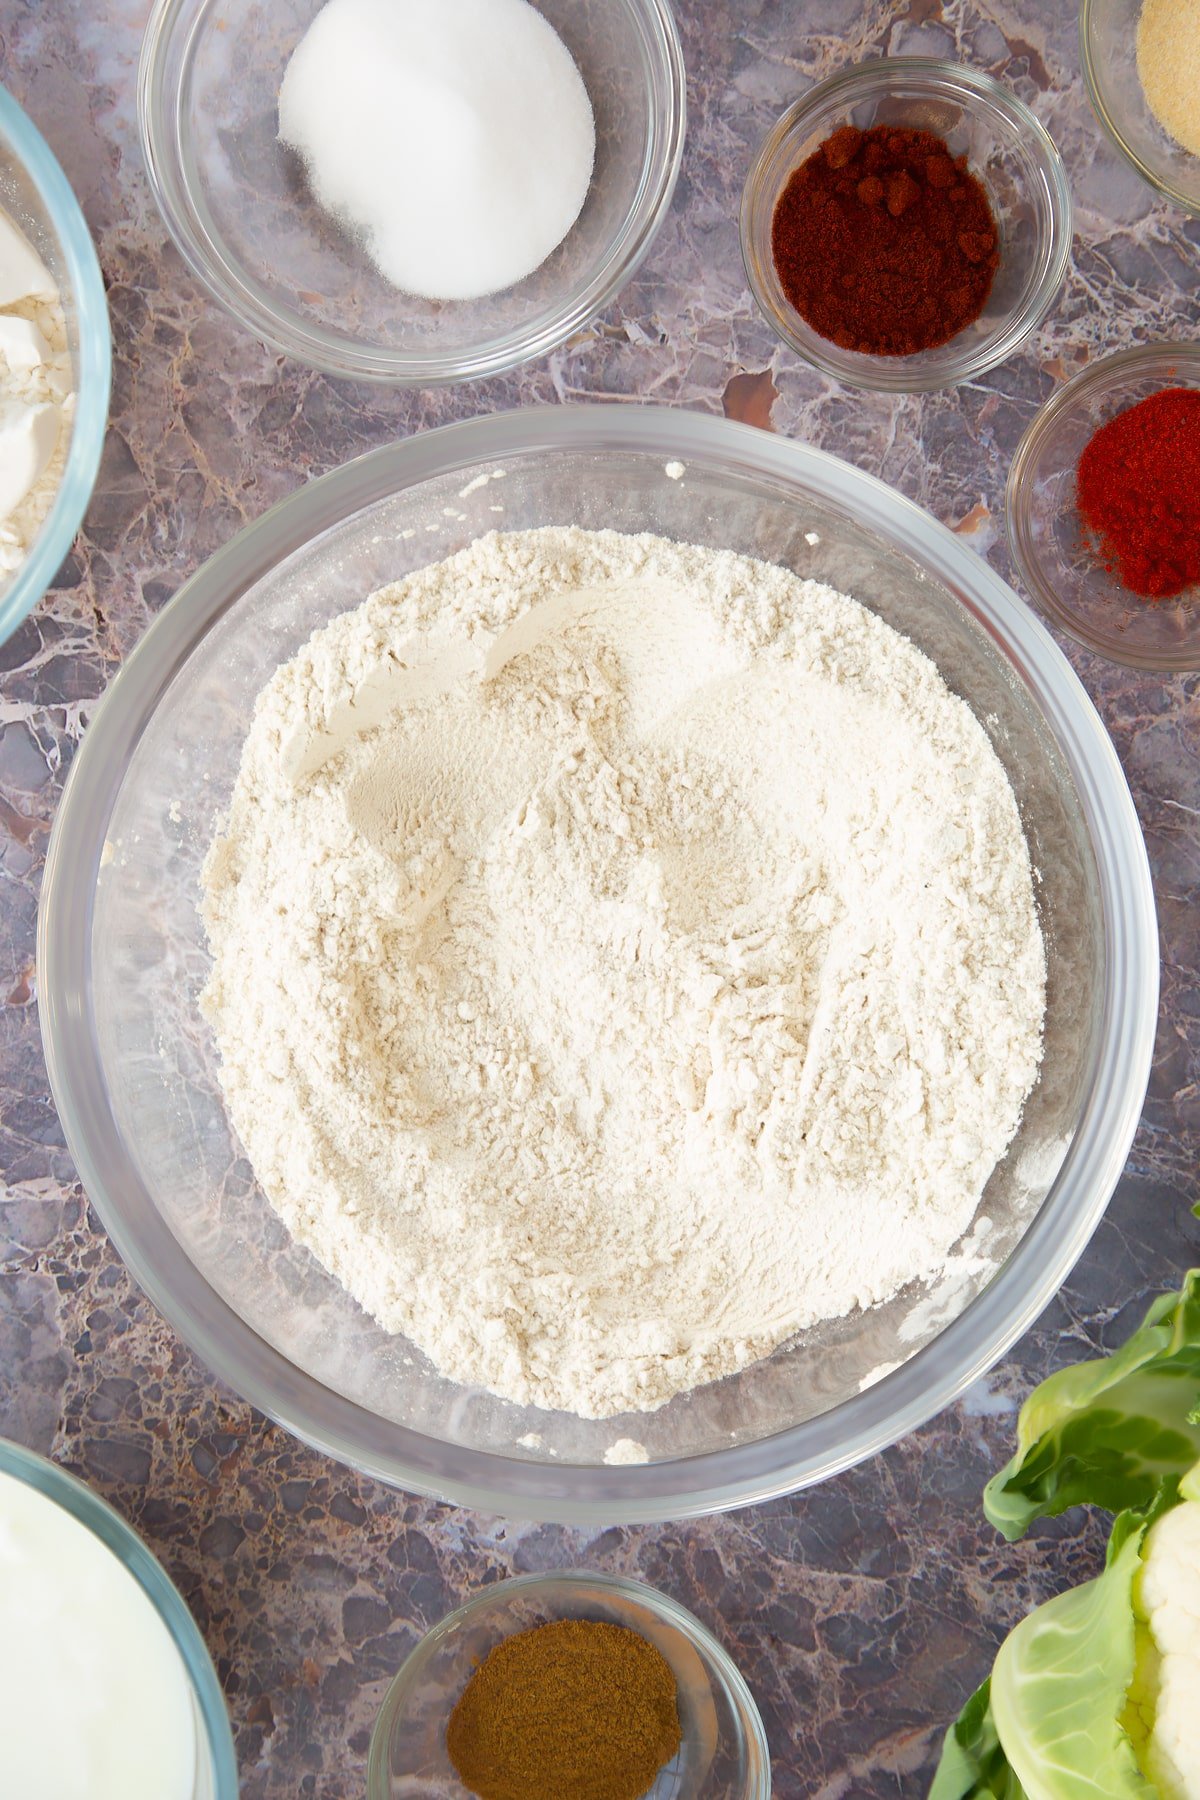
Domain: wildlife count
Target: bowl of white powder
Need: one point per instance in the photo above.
(413, 191)
(91, 1621)
(598, 963)
(55, 354)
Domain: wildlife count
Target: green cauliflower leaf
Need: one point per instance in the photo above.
(1060, 1686)
(1071, 1704)
(973, 1765)
(1109, 1432)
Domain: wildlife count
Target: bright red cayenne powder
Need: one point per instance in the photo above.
(1138, 493)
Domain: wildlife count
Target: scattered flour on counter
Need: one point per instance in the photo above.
(625, 956)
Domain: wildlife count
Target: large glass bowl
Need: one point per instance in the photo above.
(239, 208)
(1108, 52)
(216, 1768)
(37, 196)
(723, 1756)
(1011, 153)
(122, 958)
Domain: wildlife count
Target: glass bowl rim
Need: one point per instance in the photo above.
(57, 531)
(1142, 358)
(1095, 92)
(116, 1534)
(906, 378)
(244, 299)
(706, 1481)
(661, 1605)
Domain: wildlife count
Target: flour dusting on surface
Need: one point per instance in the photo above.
(625, 957)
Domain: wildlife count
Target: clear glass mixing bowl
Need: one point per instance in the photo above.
(239, 208)
(122, 959)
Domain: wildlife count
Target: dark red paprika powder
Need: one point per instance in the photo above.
(1138, 493)
(884, 241)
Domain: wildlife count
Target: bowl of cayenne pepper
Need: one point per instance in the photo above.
(1103, 507)
(906, 224)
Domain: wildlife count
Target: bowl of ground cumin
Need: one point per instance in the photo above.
(906, 224)
(569, 1686)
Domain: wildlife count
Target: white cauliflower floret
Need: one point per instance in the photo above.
(1167, 1600)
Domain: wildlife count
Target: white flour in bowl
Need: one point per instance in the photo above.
(625, 956)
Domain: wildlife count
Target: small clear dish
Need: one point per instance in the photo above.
(1108, 52)
(38, 198)
(239, 209)
(723, 1756)
(1063, 573)
(216, 1768)
(1007, 150)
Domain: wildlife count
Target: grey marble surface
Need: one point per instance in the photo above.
(863, 1612)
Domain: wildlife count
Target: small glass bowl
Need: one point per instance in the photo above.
(38, 197)
(239, 208)
(1065, 575)
(1008, 151)
(1108, 52)
(724, 1754)
(216, 1768)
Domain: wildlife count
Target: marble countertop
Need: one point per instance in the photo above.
(862, 1612)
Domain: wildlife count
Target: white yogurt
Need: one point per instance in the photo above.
(94, 1699)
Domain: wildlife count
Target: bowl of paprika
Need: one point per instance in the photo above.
(555, 1684)
(1103, 507)
(906, 225)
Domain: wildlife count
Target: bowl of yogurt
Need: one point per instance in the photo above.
(55, 365)
(91, 1625)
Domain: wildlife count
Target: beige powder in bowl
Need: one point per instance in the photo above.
(1168, 60)
(624, 956)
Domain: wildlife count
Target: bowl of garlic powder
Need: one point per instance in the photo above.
(621, 965)
(1141, 65)
(55, 356)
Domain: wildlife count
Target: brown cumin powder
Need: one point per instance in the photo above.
(575, 1710)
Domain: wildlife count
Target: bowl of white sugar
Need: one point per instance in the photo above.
(92, 1630)
(55, 355)
(617, 959)
(413, 191)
